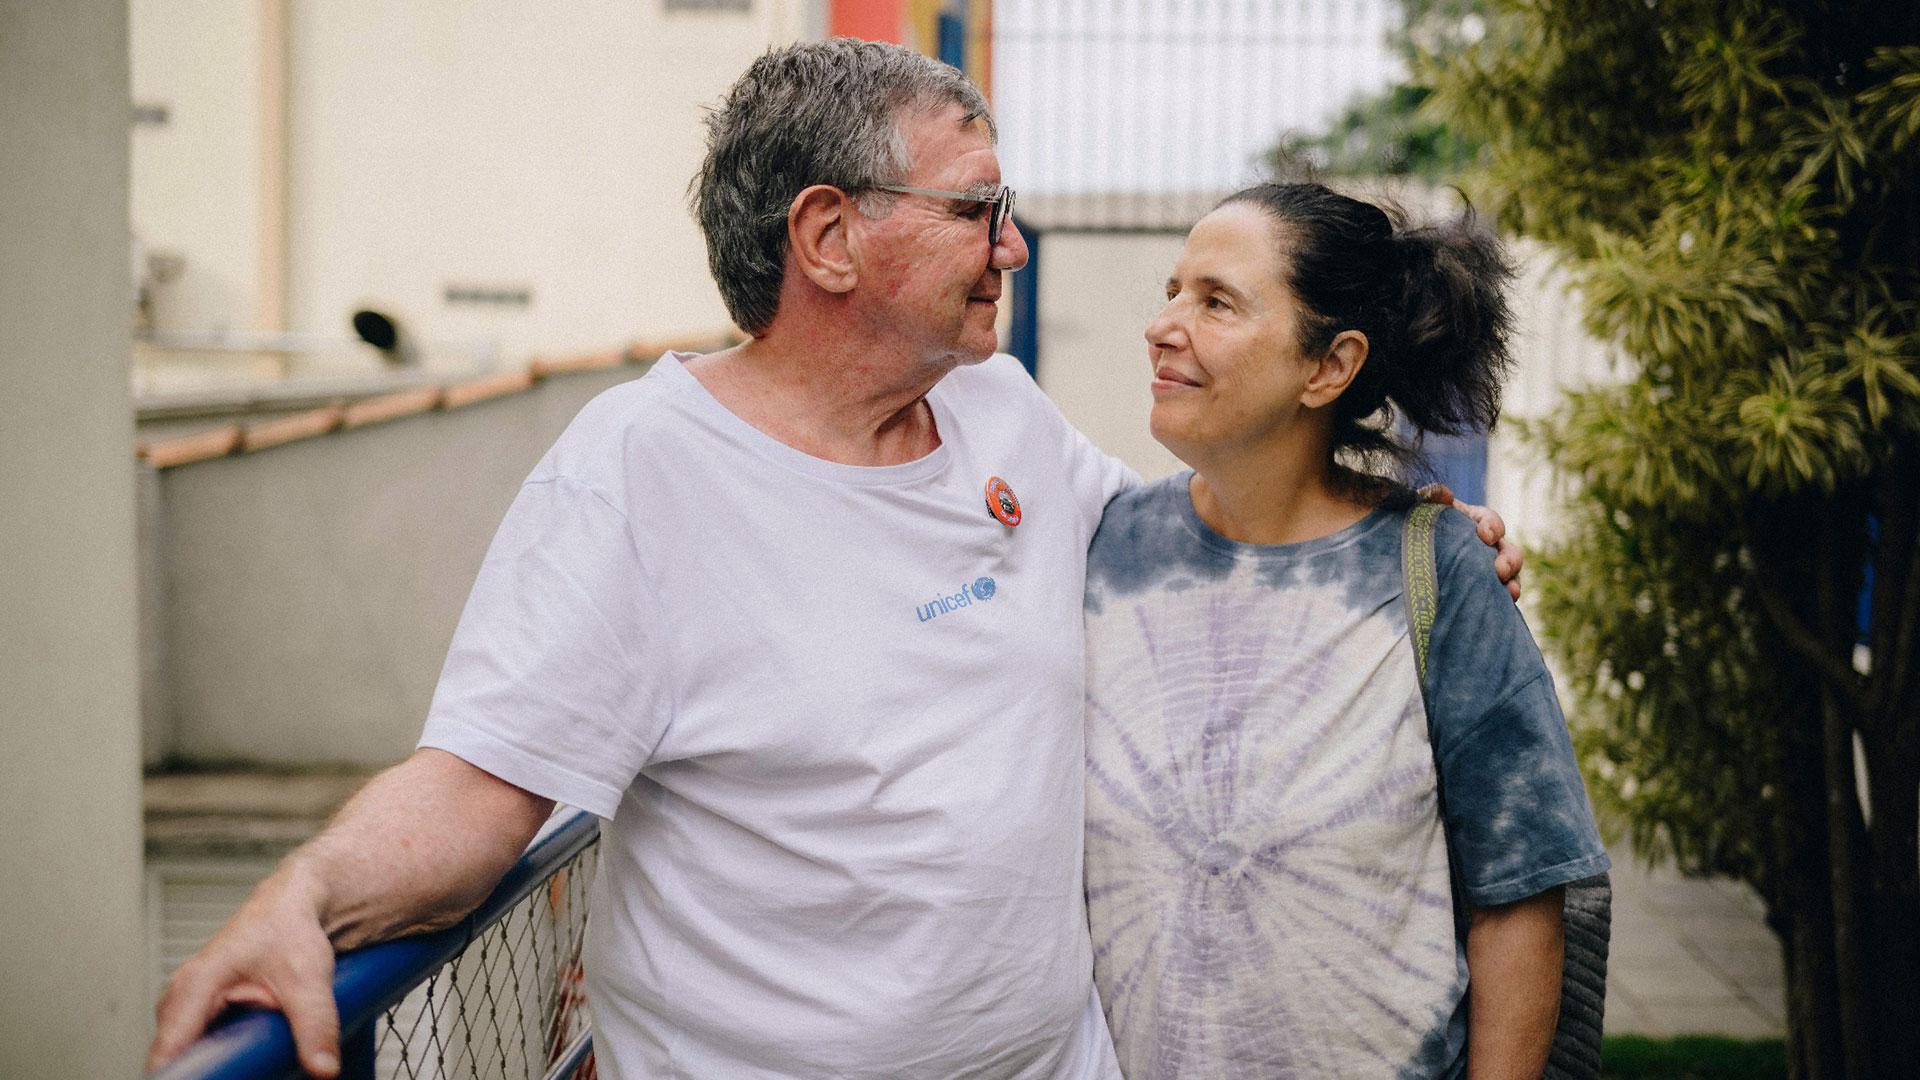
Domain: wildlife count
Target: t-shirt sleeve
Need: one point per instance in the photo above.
(1093, 475)
(1518, 818)
(1097, 475)
(553, 681)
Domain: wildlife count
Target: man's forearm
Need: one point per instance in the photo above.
(416, 849)
(1514, 958)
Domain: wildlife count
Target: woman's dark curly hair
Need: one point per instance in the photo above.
(1431, 301)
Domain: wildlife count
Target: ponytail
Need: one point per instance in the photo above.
(1451, 356)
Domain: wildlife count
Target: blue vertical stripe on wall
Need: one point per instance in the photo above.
(953, 39)
(1023, 338)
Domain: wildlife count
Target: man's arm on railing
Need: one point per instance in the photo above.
(415, 850)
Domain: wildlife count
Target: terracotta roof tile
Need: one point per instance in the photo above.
(186, 449)
(392, 406)
(594, 361)
(461, 395)
(302, 425)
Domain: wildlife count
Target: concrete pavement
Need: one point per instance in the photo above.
(1690, 957)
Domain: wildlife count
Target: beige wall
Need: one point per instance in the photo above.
(497, 144)
(1097, 292)
(72, 993)
(196, 177)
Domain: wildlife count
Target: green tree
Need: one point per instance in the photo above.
(1736, 185)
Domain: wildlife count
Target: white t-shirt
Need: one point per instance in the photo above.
(833, 715)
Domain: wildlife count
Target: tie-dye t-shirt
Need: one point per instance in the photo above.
(1267, 874)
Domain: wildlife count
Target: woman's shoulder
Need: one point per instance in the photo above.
(1478, 628)
(1461, 557)
(1146, 515)
(1144, 539)
(1147, 500)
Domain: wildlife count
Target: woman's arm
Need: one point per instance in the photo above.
(1514, 955)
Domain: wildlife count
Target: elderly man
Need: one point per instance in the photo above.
(801, 621)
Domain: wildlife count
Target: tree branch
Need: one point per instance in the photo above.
(1838, 674)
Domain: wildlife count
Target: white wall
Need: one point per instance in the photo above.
(72, 997)
(505, 143)
(1553, 354)
(1173, 95)
(488, 143)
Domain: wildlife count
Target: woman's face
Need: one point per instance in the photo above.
(1227, 369)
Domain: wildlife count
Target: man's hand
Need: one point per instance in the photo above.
(1492, 530)
(420, 846)
(273, 954)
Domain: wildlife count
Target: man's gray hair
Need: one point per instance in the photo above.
(820, 112)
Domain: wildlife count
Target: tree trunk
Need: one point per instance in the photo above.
(1787, 555)
(1801, 913)
(1838, 574)
(1846, 847)
(1894, 909)
(1806, 566)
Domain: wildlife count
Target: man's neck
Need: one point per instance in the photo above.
(845, 404)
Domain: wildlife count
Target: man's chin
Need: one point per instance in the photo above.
(973, 352)
(969, 346)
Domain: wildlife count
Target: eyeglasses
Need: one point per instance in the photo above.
(1001, 201)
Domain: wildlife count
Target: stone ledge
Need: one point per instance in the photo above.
(347, 412)
(241, 812)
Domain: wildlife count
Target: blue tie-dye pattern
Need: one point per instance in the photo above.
(1266, 879)
(1518, 810)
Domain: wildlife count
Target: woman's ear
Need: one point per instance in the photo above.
(1335, 370)
(817, 237)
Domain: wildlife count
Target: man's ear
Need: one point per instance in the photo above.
(817, 239)
(1336, 369)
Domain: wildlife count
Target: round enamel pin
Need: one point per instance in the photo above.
(1001, 503)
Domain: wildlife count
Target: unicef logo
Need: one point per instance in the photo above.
(980, 591)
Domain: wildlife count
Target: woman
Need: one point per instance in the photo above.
(1267, 869)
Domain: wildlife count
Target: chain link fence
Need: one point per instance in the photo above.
(511, 1006)
(498, 996)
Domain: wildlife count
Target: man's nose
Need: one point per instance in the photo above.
(1011, 252)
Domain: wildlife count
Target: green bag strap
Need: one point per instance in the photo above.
(1422, 587)
(1423, 584)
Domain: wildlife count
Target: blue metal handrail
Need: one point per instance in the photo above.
(257, 1044)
